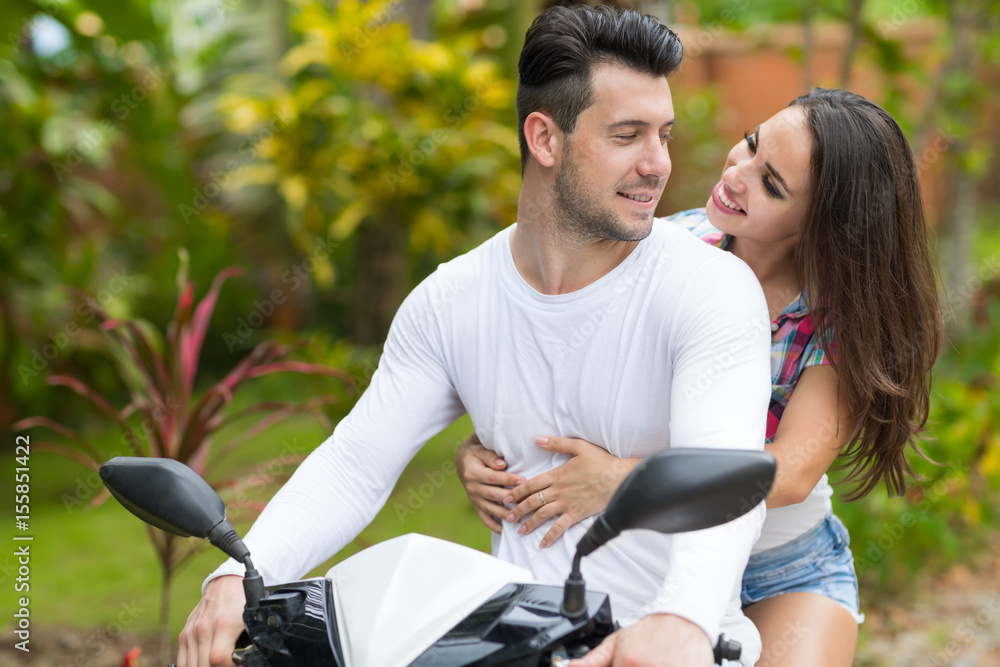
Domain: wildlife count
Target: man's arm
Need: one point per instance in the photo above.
(719, 398)
(340, 487)
(343, 484)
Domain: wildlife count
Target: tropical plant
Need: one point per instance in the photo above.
(388, 153)
(167, 417)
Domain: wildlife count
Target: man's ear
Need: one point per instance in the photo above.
(544, 138)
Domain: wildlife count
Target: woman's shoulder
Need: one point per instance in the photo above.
(696, 221)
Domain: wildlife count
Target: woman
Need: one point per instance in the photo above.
(822, 202)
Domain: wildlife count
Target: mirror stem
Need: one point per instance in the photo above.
(598, 535)
(253, 586)
(224, 536)
(574, 603)
(575, 591)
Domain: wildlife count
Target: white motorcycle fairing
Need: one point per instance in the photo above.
(394, 600)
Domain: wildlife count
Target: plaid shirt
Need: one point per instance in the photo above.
(793, 345)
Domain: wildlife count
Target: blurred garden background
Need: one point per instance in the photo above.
(211, 209)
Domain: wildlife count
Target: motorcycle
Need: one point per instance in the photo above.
(419, 601)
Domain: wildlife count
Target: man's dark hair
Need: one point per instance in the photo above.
(563, 45)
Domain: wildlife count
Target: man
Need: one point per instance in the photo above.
(584, 319)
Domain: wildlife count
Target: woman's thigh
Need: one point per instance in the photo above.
(804, 629)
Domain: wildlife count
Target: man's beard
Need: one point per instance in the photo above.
(578, 212)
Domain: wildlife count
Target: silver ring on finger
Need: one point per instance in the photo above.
(541, 498)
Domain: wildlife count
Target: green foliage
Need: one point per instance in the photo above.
(95, 166)
(369, 129)
(945, 516)
(167, 418)
(699, 151)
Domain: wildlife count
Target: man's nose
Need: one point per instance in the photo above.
(656, 161)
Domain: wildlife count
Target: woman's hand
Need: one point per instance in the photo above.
(481, 472)
(577, 489)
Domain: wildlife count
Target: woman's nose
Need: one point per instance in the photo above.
(734, 177)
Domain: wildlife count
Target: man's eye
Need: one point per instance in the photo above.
(666, 137)
(625, 136)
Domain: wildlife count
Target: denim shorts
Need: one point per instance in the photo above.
(819, 561)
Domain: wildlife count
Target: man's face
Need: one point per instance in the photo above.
(615, 163)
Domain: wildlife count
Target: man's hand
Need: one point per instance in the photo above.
(210, 634)
(577, 489)
(481, 472)
(659, 640)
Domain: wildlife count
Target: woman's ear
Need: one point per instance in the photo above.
(544, 138)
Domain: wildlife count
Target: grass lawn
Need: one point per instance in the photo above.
(93, 567)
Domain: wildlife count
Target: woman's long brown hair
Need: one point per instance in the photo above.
(864, 258)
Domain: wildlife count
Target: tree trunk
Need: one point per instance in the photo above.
(8, 411)
(516, 21)
(955, 250)
(955, 230)
(418, 12)
(381, 278)
(808, 13)
(852, 43)
(164, 643)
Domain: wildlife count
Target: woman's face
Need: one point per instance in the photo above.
(764, 192)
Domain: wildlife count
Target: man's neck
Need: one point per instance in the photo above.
(553, 263)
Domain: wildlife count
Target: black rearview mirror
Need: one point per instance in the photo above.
(170, 496)
(681, 490)
(675, 491)
(164, 493)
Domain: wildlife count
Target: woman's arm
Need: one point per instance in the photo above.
(579, 488)
(814, 427)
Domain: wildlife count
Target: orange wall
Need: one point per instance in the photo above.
(759, 71)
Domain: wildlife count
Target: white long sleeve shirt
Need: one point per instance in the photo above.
(670, 348)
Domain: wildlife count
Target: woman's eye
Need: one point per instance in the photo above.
(751, 142)
(772, 189)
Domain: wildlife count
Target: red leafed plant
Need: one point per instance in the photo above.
(159, 373)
